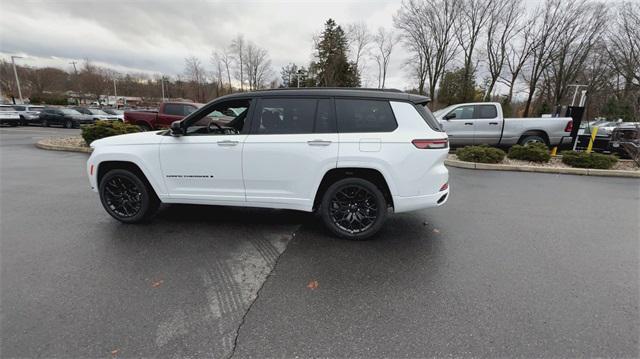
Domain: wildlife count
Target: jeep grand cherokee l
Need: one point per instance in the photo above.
(352, 155)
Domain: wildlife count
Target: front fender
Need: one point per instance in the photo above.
(145, 157)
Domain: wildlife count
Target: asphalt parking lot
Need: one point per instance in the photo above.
(515, 264)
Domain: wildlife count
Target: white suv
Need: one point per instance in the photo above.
(352, 155)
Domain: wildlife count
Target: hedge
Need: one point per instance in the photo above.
(102, 129)
(588, 160)
(481, 154)
(536, 152)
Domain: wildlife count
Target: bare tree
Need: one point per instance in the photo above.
(428, 30)
(553, 17)
(575, 42)
(359, 40)
(196, 74)
(472, 18)
(257, 66)
(502, 27)
(624, 43)
(384, 42)
(238, 49)
(218, 68)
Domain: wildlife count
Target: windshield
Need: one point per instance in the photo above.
(95, 111)
(443, 111)
(68, 111)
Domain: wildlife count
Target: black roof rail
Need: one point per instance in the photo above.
(334, 88)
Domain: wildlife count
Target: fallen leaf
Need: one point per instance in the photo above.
(435, 230)
(157, 283)
(312, 284)
(115, 352)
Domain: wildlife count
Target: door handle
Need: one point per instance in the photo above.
(318, 143)
(227, 143)
(493, 123)
(468, 123)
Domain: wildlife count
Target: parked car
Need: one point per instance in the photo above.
(28, 113)
(9, 116)
(167, 113)
(115, 112)
(95, 113)
(483, 123)
(350, 155)
(66, 117)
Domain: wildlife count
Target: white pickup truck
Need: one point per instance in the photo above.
(483, 123)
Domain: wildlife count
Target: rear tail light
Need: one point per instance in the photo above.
(431, 144)
(91, 171)
(569, 126)
(444, 187)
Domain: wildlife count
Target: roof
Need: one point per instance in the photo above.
(387, 94)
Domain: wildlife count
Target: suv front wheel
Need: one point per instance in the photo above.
(353, 208)
(126, 197)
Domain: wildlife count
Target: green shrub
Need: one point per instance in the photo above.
(588, 160)
(536, 152)
(102, 129)
(482, 154)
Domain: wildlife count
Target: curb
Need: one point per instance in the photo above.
(45, 146)
(559, 170)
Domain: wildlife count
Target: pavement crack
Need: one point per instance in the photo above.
(266, 279)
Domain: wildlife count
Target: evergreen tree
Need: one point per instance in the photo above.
(456, 87)
(333, 68)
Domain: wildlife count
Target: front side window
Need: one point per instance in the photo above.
(285, 116)
(486, 111)
(463, 113)
(364, 116)
(216, 121)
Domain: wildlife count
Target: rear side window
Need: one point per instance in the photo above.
(428, 117)
(486, 111)
(364, 116)
(286, 116)
(173, 109)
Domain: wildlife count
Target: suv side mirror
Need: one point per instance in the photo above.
(450, 115)
(176, 128)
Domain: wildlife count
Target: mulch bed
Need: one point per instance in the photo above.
(556, 162)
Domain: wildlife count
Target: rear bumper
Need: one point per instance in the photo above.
(414, 203)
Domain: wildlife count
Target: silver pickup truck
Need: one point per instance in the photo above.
(483, 123)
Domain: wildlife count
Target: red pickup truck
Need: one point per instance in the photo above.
(163, 117)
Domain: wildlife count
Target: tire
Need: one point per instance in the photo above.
(532, 139)
(45, 123)
(140, 201)
(68, 124)
(359, 199)
(144, 127)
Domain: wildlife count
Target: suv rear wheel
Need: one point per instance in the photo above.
(353, 208)
(126, 197)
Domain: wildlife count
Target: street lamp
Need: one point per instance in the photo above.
(16, 74)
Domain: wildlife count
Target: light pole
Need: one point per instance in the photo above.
(17, 79)
(162, 85)
(115, 94)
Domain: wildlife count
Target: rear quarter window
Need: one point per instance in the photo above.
(356, 115)
(428, 117)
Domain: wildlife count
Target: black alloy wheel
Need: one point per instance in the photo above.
(45, 123)
(68, 124)
(126, 197)
(354, 208)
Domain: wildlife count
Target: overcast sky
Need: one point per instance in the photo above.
(155, 36)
